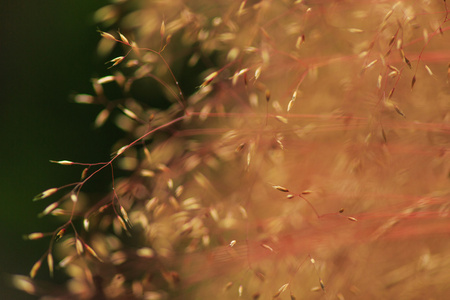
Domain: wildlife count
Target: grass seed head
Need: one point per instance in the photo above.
(192, 173)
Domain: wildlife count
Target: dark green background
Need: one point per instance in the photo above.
(47, 53)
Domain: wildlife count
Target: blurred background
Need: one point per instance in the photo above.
(47, 54)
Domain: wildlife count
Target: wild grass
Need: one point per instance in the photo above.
(305, 154)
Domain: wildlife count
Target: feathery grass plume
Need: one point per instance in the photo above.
(192, 210)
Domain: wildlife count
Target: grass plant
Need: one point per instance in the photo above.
(287, 149)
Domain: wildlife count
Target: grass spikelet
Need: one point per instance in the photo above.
(79, 246)
(49, 209)
(265, 246)
(290, 105)
(124, 226)
(162, 30)
(108, 36)
(267, 93)
(66, 261)
(208, 79)
(282, 119)
(35, 268)
(241, 9)
(355, 30)
(258, 72)
(322, 285)
(101, 118)
(92, 252)
(371, 63)
(84, 99)
(281, 290)
(280, 188)
(86, 224)
(34, 236)
(397, 109)
(116, 61)
(23, 283)
(106, 79)
(388, 15)
(60, 234)
(84, 173)
(62, 162)
(300, 41)
(391, 93)
(50, 264)
(123, 39)
(74, 197)
(45, 194)
(121, 150)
